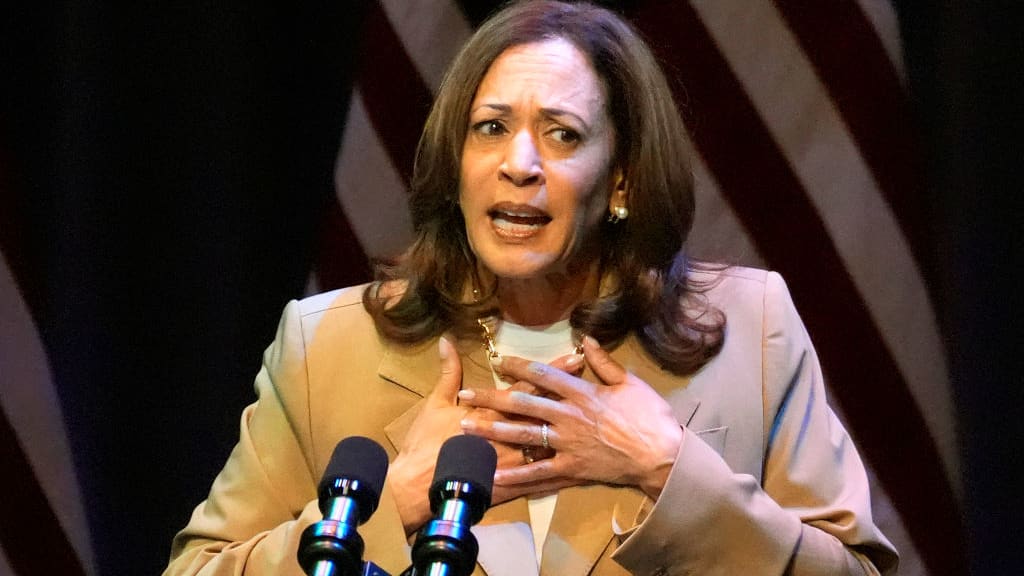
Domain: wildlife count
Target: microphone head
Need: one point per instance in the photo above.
(465, 470)
(356, 470)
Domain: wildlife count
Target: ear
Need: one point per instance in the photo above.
(618, 197)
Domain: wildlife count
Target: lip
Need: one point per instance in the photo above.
(517, 221)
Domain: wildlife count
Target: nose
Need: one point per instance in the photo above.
(522, 165)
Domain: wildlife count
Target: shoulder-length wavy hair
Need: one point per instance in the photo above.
(645, 287)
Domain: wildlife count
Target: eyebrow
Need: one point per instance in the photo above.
(547, 112)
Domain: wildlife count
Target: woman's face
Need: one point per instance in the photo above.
(537, 170)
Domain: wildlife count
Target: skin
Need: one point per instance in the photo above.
(538, 177)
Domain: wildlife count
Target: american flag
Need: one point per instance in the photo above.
(806, 164)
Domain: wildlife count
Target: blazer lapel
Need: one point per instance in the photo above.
(417, 368)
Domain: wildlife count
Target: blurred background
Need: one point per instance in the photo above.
(172, 175)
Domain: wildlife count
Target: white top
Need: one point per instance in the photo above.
(539, 344)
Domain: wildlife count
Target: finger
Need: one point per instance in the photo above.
(508, 455)
(503, 493)
(570, 363)
(600, 361)
(512, 403)
(544, 376)
(517, 433)
(525, 387)
(450, 381)
(537, 471)
(488, 414)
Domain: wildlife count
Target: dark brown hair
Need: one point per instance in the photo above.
(642, 256)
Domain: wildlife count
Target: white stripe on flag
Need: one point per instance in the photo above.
(30, 401)
(432, 31)
(883, 19)
(370, 190)
(5, 566)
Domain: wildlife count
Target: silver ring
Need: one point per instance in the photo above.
(544, 436)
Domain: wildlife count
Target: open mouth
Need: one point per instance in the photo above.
(517, 221)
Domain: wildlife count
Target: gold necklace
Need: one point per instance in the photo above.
(489, 329)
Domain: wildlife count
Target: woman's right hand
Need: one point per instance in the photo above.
(412, 471)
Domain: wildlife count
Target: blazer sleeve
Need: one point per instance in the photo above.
(810, 515)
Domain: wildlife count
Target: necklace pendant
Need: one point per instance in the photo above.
(489, 327)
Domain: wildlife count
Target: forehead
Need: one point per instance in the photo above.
(554, 71)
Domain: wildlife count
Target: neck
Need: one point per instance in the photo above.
(548, 299)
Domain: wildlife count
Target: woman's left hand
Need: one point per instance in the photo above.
(621, 432)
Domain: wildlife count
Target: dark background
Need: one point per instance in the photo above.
(163, 170)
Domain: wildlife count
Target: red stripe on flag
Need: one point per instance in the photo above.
(767, 197)
(849, 57)
(396, 98)
(341, 262)
(13, 232)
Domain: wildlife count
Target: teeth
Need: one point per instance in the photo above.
(514, 227)
(518, 223)
(529, 216)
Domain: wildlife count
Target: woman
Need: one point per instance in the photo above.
(636, 434)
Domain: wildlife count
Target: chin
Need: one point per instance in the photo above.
(519, 268)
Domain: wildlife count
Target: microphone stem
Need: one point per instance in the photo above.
(343, 509)
(439, 569)
(325, 568)
(455, 510)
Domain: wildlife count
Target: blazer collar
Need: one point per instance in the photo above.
(586, 518)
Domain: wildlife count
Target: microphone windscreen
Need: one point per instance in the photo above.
(467, 459)
(360, 459)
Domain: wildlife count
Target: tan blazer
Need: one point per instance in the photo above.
(766, 478)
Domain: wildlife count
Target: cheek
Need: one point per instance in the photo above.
(591, 201)
(470, 186)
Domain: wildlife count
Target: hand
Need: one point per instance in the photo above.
(621, 432)
(511, 455)
(410, 475)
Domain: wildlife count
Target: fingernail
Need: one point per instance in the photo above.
(466, 424)
(591, 342)
(496, 364)
(466, 394)
(573, 361)
(442, 347)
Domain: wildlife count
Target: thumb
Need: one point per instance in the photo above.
(450, 381)
(604, 366)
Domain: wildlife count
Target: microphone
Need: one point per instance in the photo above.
(459, 495)
(349, 492)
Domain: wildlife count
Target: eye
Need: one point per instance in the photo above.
(565, 135)
(489, 128)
